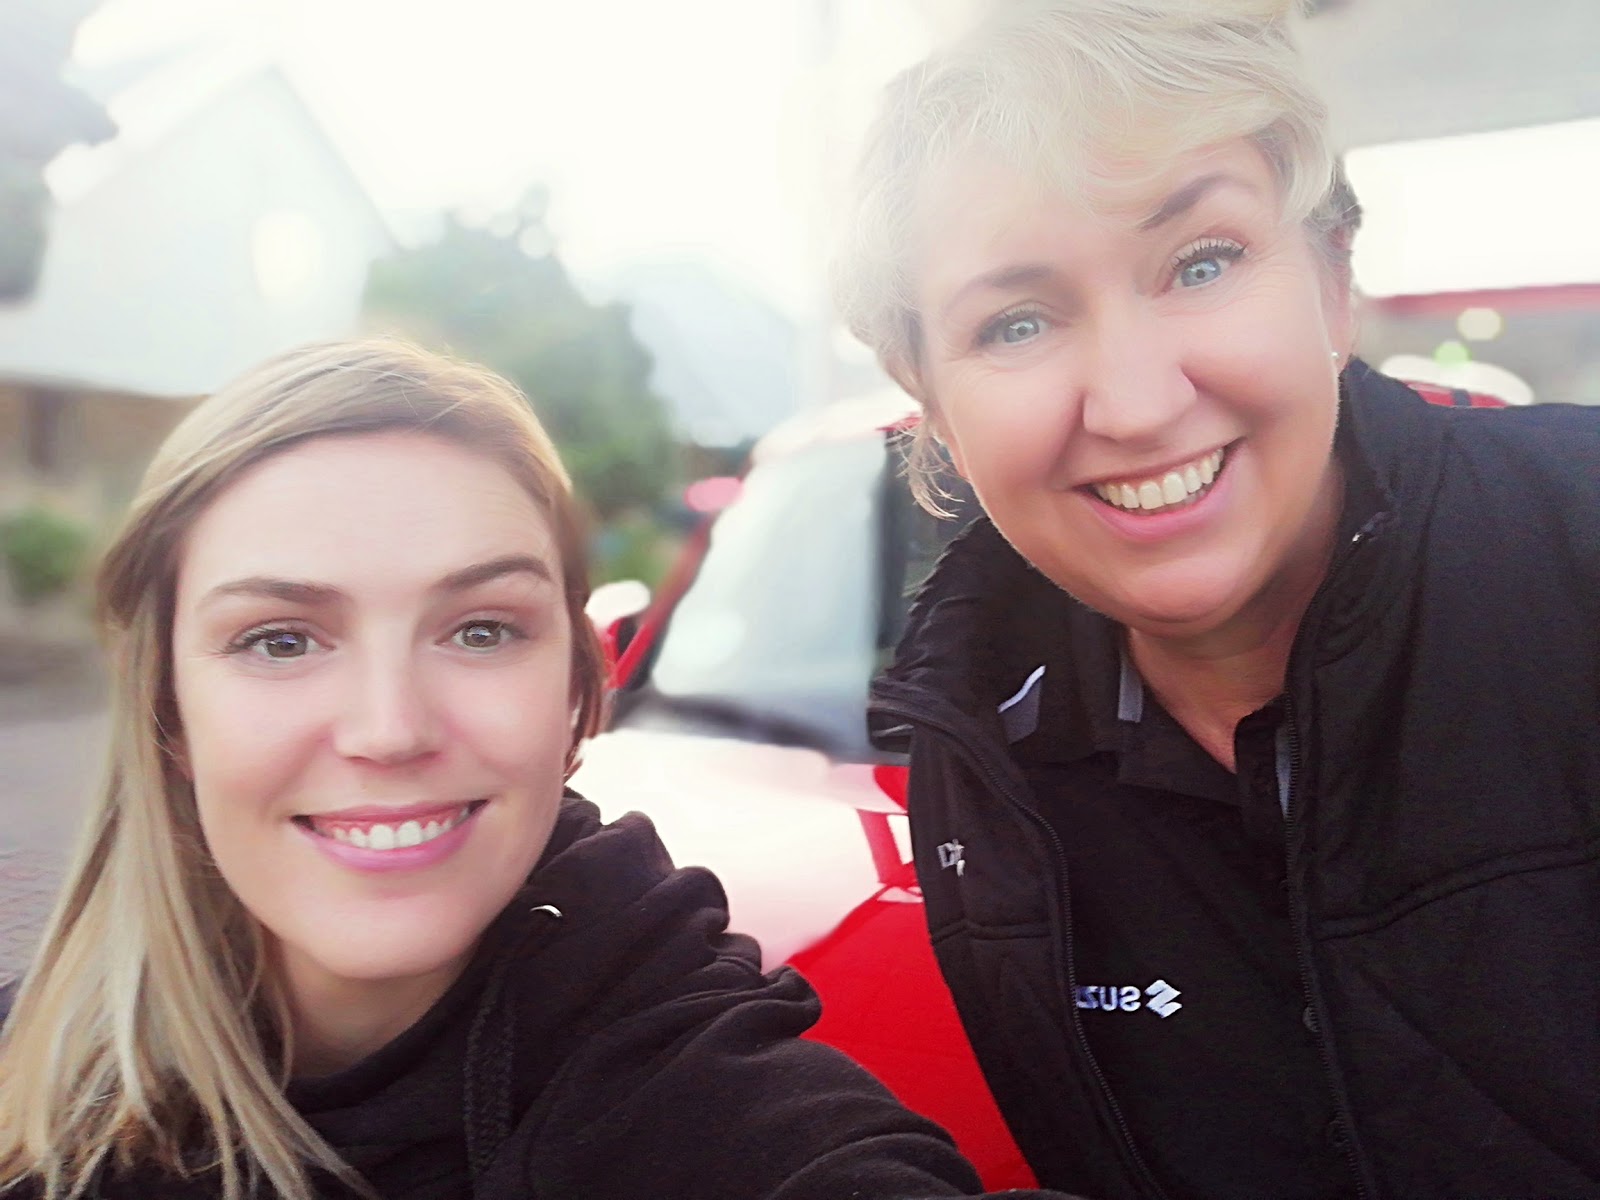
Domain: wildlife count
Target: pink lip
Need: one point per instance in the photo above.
(372, 814)
(407, 858)
(1163, 526)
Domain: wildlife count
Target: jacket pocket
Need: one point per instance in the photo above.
(1466, 1021)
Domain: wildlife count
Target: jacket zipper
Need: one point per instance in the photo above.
(1066, 974)
(1297, 908)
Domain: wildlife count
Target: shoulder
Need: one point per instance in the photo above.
(1557, 442)
(1527, 467)
(1534, 468)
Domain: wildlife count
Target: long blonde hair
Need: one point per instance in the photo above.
(149, 1031)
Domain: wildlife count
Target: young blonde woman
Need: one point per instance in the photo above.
(334, 928)
(1255, 732)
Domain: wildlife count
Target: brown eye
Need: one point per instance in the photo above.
(280, 643)
(481, 635)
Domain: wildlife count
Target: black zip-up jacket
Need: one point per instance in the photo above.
(612, 1041)
(1442, 830)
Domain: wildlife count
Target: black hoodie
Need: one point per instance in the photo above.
(611, 1040)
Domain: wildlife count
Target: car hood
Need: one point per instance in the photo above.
(784, 828)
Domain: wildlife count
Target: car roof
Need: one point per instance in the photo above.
(841, 421)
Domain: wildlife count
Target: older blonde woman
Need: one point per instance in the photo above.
(334, 929)
(1255, 734)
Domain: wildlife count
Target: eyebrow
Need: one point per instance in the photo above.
(495, 568)
(1000, 279)
(295, 591)
(1186, 197)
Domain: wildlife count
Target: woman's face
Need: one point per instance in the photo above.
(372, 661)
(1144, 398)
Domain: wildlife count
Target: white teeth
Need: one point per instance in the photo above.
(395, 837)
(1173, 488)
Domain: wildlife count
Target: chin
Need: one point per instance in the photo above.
(398, 963)
(1187, 609)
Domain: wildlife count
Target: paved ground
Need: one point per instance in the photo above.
(51, 741)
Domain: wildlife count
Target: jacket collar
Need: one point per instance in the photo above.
(986, 620)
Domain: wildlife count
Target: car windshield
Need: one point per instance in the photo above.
(780, 628)
(799, 601)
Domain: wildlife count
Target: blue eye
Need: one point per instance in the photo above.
(1205, 263)
(1200, 272)
(1012, 329)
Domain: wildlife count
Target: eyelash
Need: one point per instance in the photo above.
(991, 331)
(253, 637)
(256, 635)
(1219, 248)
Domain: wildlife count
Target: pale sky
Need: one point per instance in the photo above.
(696, 127)
(658, 127)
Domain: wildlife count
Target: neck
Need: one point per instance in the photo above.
(337, 1022)
(1209, 690)
(1211, 681)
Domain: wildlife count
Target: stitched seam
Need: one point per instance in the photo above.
(1525, 863)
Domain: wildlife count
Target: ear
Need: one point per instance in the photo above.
(905, 373)
(911, 382)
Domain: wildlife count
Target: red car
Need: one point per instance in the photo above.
(740, 728)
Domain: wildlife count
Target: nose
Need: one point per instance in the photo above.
(389, 716)
(1134, 388)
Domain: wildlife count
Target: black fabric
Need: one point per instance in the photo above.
(1176, 867)
(1433, 895)
(613, 1041)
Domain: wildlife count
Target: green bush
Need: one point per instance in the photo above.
(44, 552)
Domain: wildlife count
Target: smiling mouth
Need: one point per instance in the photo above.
(372, 834)
(1178, 488)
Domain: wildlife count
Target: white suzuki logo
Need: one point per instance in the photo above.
(950, 855)
(1161, 998)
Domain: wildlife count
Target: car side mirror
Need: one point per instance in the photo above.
(614, 610)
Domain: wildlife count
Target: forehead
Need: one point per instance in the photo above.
(977, 203)
(395, 507)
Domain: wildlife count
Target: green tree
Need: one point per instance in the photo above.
(40, 115)
(497, 295)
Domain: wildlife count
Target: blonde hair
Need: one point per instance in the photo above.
(149, 1031)
(1089, 96)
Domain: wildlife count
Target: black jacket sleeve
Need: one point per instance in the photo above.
(684, 1073)
(714, 1095)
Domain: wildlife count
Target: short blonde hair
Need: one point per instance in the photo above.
(149, 1031)
(1055, 87)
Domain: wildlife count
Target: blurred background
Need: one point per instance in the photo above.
(625, 207)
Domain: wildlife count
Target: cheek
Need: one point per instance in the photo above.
(1005, 426)
(520, 724)
(242, 738)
